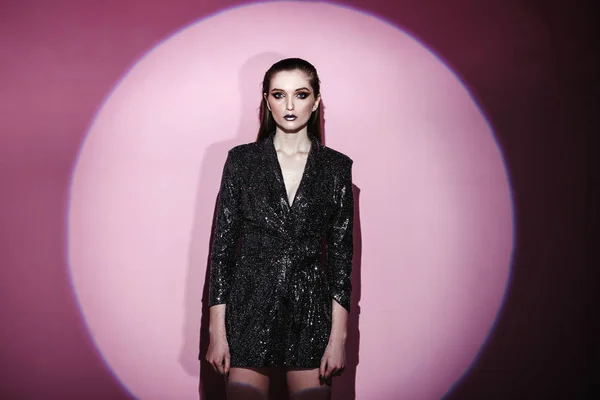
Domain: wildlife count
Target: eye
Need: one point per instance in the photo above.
(278, 95)
(303, 95)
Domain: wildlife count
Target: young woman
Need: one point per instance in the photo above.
(273, 303)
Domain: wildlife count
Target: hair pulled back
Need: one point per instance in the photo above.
(267, 123)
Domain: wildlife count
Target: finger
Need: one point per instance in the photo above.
(220, 365)
(215, 365)
(322, 367)
(226, 367)
(330, 370)
(333, 371)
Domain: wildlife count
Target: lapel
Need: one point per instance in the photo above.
(275, 175)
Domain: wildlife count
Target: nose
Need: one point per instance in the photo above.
(289, 104)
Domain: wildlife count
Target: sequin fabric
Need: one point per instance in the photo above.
(278, 292)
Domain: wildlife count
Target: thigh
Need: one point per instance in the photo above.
(248, 383)
(305, 384)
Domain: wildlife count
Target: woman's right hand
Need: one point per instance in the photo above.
(218, 354)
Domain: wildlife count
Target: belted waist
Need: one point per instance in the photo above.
(269, 244)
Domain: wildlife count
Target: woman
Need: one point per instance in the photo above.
(274, 304)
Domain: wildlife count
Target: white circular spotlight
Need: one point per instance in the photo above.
(435, 206)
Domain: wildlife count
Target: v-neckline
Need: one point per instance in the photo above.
(280, 172)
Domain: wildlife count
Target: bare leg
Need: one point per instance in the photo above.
(248, 383)
(304, 384)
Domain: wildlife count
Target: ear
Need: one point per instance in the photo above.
(267, 101)
(317, 102)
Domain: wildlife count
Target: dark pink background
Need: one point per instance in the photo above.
(527, 66)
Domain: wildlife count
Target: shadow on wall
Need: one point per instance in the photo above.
(211, 385)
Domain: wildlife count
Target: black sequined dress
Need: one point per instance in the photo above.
(278, 295)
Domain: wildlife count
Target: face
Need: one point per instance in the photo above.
(291, 100)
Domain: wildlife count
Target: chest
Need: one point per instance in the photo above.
(292, 171)
(282, 193)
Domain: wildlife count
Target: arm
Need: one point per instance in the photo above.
(218, 349)
(222, 258)
(226, 235)
(216, 327)
(339, 270)
(340, 241)
(339, 323)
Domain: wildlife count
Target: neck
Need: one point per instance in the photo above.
(298, 142)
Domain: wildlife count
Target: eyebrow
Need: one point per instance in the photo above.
(297, 90)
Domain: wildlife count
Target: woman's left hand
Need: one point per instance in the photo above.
(334, 359)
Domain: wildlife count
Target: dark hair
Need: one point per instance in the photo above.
(267, 123)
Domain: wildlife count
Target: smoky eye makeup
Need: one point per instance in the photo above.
(301, 95)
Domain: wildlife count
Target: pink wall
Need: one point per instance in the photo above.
(116, 117)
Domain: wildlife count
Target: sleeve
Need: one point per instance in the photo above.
(340, 239)
(226, 235)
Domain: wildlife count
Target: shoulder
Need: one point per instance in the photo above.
(243, 152)
(336, 158)
(243, 149)
(238, 158)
